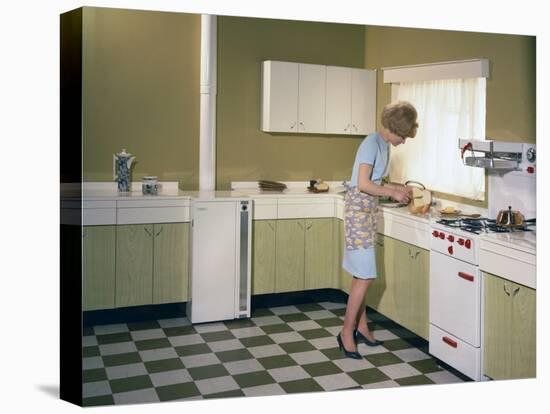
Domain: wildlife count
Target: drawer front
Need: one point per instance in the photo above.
(517, 266)
(98, 204)
(153, 215)
(455, 297)
(264, 211)
(455, 352)
(404, 229)
(98, 216)
(298, 210)
(154, 202)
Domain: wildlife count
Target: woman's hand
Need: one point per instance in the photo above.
(400, 195)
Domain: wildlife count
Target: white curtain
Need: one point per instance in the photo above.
(447, 110)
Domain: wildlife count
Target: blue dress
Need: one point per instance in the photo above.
(360, 210)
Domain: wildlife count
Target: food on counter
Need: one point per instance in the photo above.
(322, 186)
(318, 186)
(421, 201)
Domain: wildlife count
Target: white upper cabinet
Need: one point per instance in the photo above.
(311, 98)
(280, 96)
(317, 99)
(338, 119)
(351, 101)
(363, 101)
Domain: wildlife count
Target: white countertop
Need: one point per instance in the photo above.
(525, 241)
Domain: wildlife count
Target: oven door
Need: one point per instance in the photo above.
(455, 297)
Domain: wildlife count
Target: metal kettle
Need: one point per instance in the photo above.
(510, 218)
(122, 162)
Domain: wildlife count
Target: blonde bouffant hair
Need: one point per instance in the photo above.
(400, 118)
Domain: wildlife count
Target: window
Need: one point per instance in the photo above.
(448, 109)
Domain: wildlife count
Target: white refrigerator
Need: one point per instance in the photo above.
(221, 236)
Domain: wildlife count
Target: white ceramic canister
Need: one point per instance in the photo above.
(149, 185)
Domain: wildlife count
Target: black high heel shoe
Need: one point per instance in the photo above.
(349, 354)
(360, 337)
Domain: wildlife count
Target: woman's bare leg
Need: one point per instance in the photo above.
(353, 307)
(362, 321)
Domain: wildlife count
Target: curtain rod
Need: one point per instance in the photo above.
(431, 64)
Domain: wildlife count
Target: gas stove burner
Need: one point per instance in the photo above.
(471, 229)
(449, 222)
(483, 225)
(494, 228)
(473, 222)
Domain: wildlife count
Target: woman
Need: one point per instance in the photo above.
(399, 121)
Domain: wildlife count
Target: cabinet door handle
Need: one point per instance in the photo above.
(270, 225)
(160, 231)
(300, 224)
(303, 126)
(355, 127)
(380, 243)
(293, 125)
(516, 290)
(504, 286)
(346, 128)
(148, 232)
(308, 225)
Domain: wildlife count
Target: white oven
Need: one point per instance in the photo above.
(455, 300)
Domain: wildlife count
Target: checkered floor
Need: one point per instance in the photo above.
(286, 349)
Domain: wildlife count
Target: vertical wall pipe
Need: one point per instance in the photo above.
(207, 160)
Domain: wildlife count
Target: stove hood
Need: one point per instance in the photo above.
(498, 155)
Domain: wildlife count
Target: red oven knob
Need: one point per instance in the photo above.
(468, 243)
(530, 170)
(441, 235)
(451, 238)
(435, 233)
(461, 241)
(450, 249)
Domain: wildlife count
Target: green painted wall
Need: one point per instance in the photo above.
(141, 75)
(244, 153)
(511, 94)
(141, 92)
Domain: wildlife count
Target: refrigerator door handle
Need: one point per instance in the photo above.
(243, 260)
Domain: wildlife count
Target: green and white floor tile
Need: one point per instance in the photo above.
(279, 350)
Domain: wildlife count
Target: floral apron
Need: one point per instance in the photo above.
(360, 219)
(360, 213)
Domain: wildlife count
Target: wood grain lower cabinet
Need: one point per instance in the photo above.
(319, 254)
(304, 255)
(138, 264)
(382, 293)
(290, 255)
(263, 256)
(401, 289)
(170, 262)
(412, 284)
(509, 347)
(99, 267)
(134, 265)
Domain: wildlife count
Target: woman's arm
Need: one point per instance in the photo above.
(400, 187)
(365, 185)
